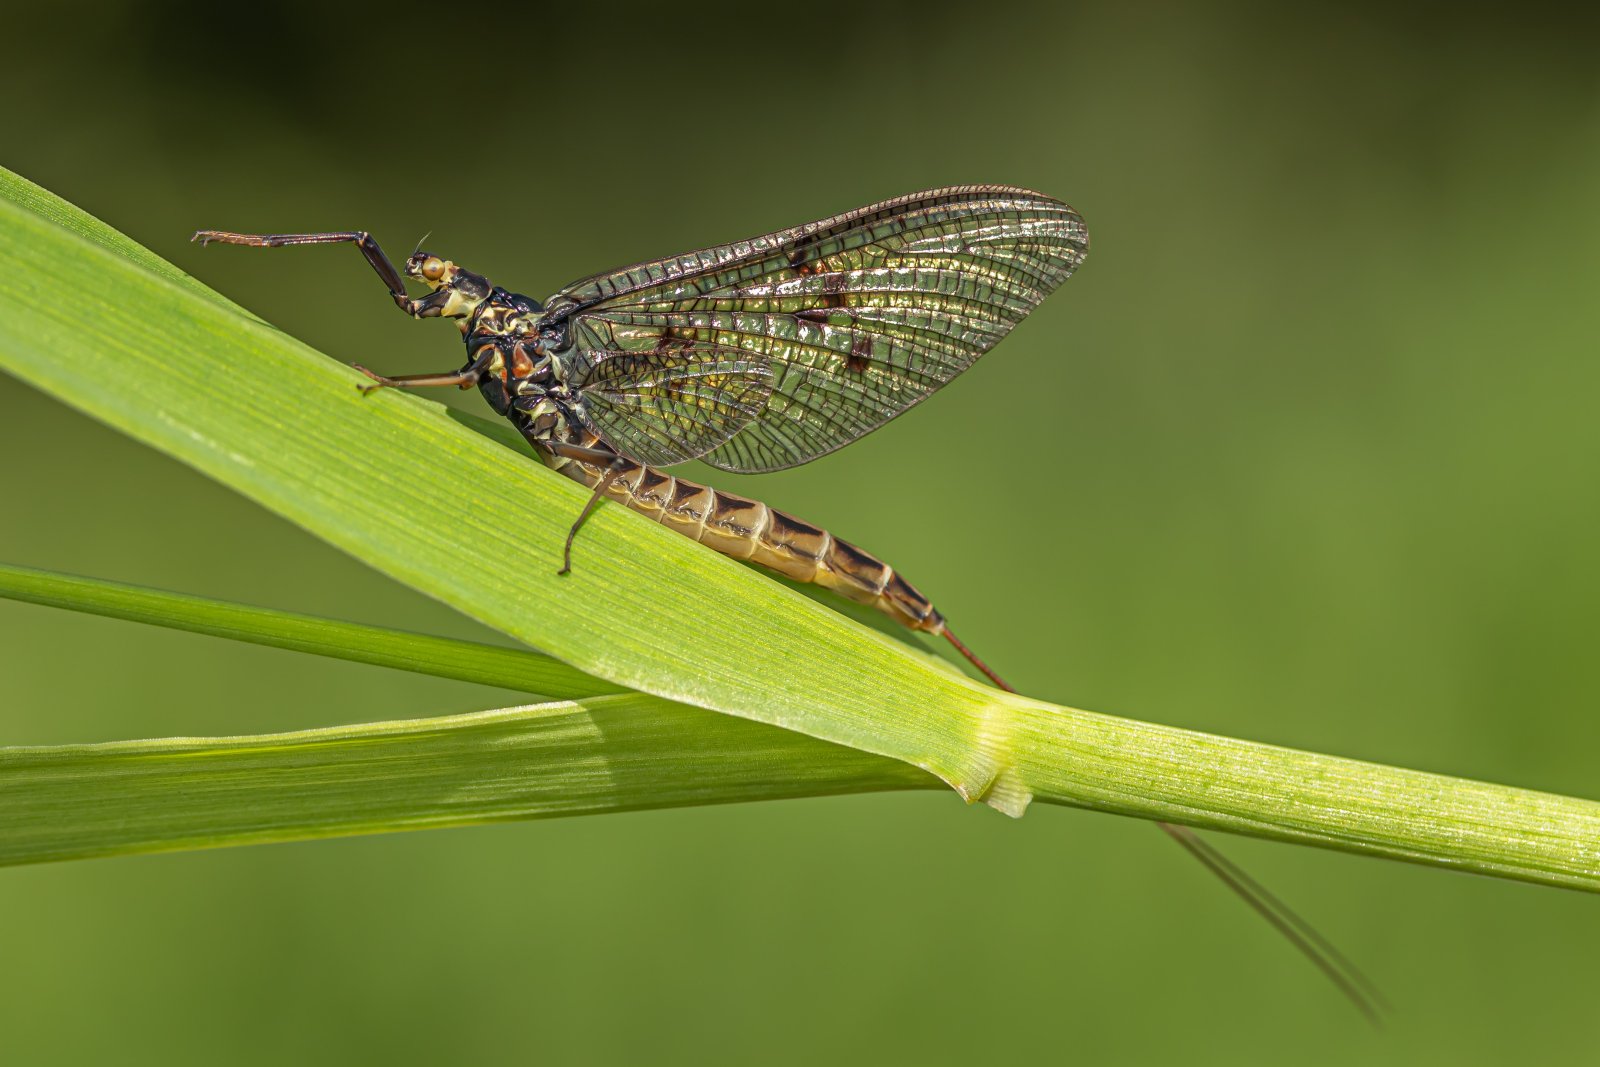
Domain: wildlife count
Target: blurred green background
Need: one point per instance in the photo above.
(1304, 454)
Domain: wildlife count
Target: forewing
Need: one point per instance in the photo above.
(664, 405)
(859, 316)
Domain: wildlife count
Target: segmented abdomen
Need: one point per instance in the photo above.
(748, 529)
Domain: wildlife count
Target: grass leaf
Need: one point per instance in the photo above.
(467, 661)
(398, 483)
(603, 754)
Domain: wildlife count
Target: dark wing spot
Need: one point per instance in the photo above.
(800, 256)
(860, 357)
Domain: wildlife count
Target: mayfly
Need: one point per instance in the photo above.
(760, 355)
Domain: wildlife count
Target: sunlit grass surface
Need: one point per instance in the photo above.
(307, 449)
(1300, 455)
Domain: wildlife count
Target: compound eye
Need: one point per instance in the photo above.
(432, 268)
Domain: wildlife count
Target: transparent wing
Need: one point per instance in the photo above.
(667, 403)
(859, 316)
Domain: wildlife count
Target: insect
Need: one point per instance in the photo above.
(759, 355)
(752, 356)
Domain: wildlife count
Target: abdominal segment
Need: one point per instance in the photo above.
(748, 529)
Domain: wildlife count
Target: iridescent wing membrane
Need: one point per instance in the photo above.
(854, 319)
(676, 404)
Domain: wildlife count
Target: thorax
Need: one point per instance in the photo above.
(523, 379)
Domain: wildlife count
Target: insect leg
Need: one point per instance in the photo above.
(360, 238)
(595, 457)
(465, 377)
(600, 488)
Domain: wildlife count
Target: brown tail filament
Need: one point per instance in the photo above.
(1334, 965)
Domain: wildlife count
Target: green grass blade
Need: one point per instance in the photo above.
(467, 661)
(1102, 762)
(1082, 759)
(397, 483)
(605, 754)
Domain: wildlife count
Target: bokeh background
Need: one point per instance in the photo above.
(1305, 454)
